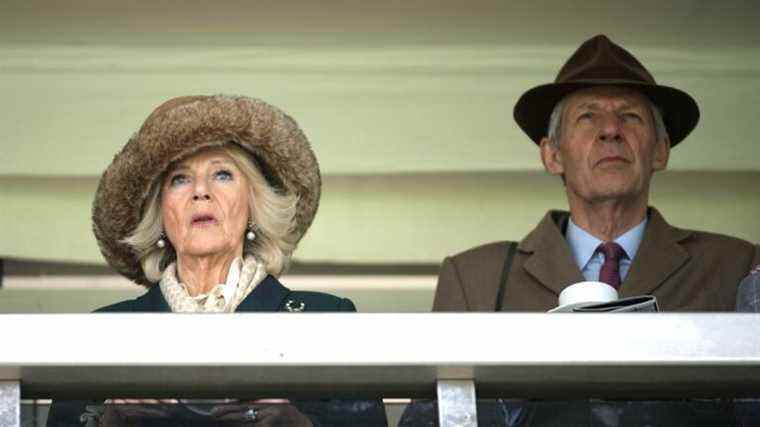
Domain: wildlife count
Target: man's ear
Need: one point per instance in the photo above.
(661, 154)
(551, 157)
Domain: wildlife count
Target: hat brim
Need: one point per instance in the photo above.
(533, 109)
(181, 127)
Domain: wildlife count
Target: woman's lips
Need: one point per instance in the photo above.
(203, 220)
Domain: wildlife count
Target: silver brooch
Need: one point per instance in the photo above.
(294, 307)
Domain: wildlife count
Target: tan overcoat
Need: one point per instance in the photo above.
(686, 270)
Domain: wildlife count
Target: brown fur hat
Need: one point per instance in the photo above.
(182, 126)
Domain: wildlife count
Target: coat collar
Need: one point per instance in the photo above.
(153, 301)
(551, 261)
(266, 296)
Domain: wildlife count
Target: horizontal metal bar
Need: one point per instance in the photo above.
(393, 355)
(323, 283)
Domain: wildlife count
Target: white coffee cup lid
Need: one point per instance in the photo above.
(583, 293)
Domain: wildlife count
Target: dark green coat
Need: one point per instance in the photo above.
(269, 296)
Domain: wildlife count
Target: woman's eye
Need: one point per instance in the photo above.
(178, 180)
(223, 175)
(632, 117)
(586, 116)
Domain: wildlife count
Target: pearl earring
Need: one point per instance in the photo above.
(250, 235)
(161, 243)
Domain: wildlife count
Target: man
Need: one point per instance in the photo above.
(604, 126)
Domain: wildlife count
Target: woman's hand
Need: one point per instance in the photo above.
(262, 413)
(128, 412)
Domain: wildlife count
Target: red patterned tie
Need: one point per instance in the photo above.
(610, 272)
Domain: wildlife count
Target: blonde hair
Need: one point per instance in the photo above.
(272, 211)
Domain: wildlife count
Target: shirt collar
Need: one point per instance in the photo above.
(583, 245)
(631, 239)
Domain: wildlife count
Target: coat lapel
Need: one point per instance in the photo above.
(550, 261)
(659, 256)
(266, 296)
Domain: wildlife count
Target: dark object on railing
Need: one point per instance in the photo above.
(321, 413)
(591, 413)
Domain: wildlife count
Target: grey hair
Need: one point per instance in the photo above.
(272, 211)
(555, 121)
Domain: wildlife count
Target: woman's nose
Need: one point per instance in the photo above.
(201, 191)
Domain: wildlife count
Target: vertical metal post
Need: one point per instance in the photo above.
(456, 403)
(10, 404)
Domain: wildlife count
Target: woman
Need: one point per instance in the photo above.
(204, 207)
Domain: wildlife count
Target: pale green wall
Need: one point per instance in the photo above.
(366, 111)
(408, 106)
(389, 218)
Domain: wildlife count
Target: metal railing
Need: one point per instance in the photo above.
(378, 355)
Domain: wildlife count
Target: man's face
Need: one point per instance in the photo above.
(608, 147)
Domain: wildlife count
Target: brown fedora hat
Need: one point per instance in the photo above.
(597, 62)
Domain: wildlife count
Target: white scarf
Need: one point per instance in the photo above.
(223, 298)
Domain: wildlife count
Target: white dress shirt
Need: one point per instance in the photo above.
(583, 247)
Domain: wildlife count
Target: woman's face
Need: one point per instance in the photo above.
(204, 205)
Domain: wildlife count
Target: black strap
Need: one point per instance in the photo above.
(511, 246)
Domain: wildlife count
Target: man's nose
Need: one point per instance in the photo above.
(610, 129)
